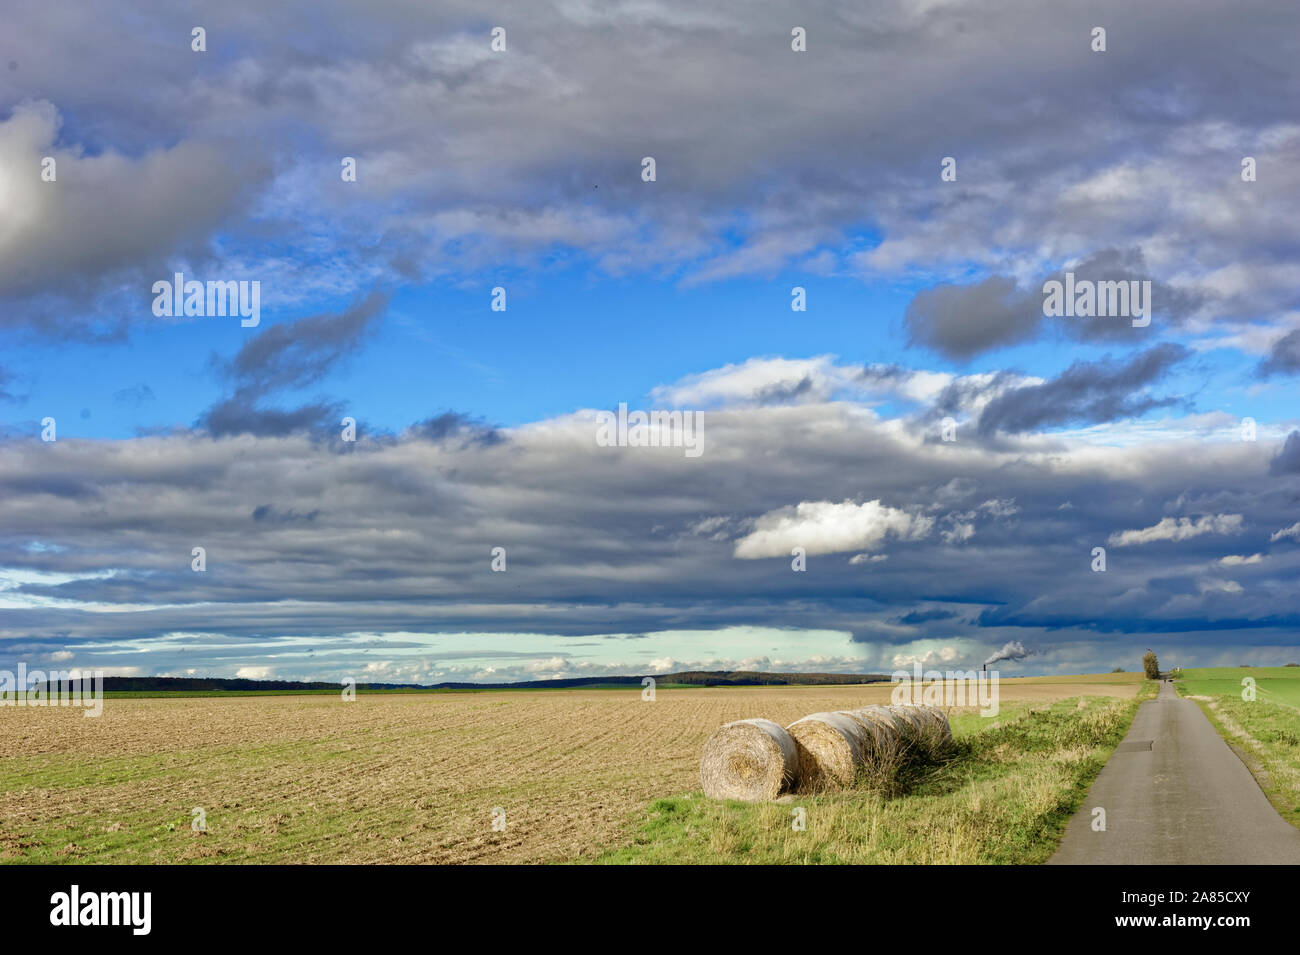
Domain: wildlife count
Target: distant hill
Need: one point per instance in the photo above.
(153, 684)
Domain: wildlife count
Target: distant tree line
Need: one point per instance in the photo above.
(148, 684)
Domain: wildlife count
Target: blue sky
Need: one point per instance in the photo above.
(443, 348)
(823, 431)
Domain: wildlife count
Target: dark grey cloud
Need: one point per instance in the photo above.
(960, 321)
(927, 616)
(1283, 358)
(299, 353)
(466, 429)
(1085, 393)
(245, 415)
(784, 392)
(1168, 303)
(289, 356)
(1287, 460)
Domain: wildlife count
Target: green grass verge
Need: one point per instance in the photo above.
(1265, 731)
(1003, 796)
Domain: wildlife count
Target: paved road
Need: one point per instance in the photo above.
(1175, 794)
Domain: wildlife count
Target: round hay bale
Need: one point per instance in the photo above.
(879, 731)
(926, 726)
(938, 720)
(884, 717)
(909, 721)
(751, 760)
(830, 747)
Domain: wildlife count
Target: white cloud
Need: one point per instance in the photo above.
(822, 527)
(1292, 532)
(1179, 529)
(1215, 585)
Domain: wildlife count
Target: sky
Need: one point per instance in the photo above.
(919, 466)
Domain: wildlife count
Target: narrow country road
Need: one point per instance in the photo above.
(1175, 794)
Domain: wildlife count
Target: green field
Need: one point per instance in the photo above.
(1273, 684)
(1003, 797)
(1265, 731)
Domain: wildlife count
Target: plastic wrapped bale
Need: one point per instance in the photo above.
(830, 747)
(886, 744)
(885, 717)
(752, 760)
(925, 728)
(938, 729)
(880, 731)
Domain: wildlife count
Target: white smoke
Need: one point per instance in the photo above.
(1014, 650)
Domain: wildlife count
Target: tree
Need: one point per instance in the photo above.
(1150, 665)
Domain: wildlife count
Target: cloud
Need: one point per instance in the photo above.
(1283, 356)
(1086, 392)
(1287, 460)
(300, 353)
(289, 356)
(1292, 532)
(926, 616)
(1216, 585)
(453, 424)
(612, 540)
(238, 416)
(108, 218)
(1178, 529)
(960, 321)
(534, 154)
(822, 527)
(761, 381)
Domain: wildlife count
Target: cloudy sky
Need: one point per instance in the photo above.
(822, 430)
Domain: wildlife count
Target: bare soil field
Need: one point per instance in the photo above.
(386, 778)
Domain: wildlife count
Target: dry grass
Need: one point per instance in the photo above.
(400, 778)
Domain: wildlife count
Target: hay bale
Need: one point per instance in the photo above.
(831, 748)
(896, 733)
(879, 731)
(885, 748)
(909, 727)
(910, 722)
(938, 728)
(751, 760)
(884, 717)
(925, 727)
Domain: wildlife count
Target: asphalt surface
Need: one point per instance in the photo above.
(1176, 794)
